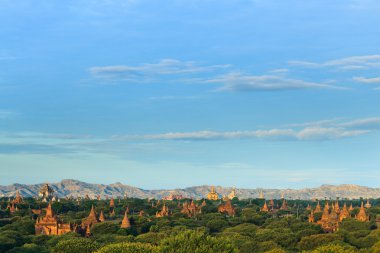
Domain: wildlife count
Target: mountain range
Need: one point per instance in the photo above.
(75, 188)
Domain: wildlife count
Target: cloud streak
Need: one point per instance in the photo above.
(348, 63)
(375, 80)
(241, 82)
(146, 71)
(53, 143)
(192, 72)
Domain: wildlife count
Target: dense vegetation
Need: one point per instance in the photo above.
(250, 230)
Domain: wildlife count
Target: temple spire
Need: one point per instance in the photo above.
(125, 223)
(92, 213)
(49, 211)
(101, 216)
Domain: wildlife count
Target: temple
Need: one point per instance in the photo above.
(51, 224)
(329, 221)
(164, 212)
(261, 195)
(18, 199)
(232, 194)
(265, 208)
(227, 208)
(362, 215)
(212, 195)
(90, 220)
(46, 193)
(318, 208)
(332, 216)
(125, 223)
(192, 209)
(101, 216)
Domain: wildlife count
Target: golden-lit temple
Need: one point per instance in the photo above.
(232, 194)
(101, 216)
(90, 220)
(265, 208)
(332, 216)
(125, 222)
(18, 199)
(51, 224)
(362, 215)
(329, 221)
(227, 208)
(212, 195)
(192, 209)
(164, 212)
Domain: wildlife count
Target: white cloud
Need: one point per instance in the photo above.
(323, 133)
(367, 123)
(367, 80)
(348, 63)
(240, 82)
(151, 70)
(213, 135)
(306, 134)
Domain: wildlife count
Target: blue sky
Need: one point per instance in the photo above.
(164, 94)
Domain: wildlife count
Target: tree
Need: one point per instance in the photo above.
(76, 245)
(29, 248)
(104, 228)
(129, 247)
(333, 248)
(197, 242)
(243, 229)
(10, 239)
(314, 241)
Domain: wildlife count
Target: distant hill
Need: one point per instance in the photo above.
(75, 188)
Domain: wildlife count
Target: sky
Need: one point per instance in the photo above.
(167, 94)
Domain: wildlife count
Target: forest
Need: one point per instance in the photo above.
(185, 225)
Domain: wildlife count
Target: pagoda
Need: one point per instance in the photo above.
(344, 213)
(265, 208)
(51, 224)
(18, 199)
(212, 195)
(90, 220)
(368, 205)
(362, 215)
(164, 212)
(261, 195)
(232, 194)
(284, 205)
(311, 217)
(191, 209)
(318, 208)
(125, 223)
(227, 208)
(101, 216)
(112, 203)
(329, 221)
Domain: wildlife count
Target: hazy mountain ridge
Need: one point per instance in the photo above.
(77, 188)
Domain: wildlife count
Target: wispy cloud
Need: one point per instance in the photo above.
(375, 80)
(324, 130)
(348, 63)
(192, 72)
(241, 82)
(306, 134)
(148, 71)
